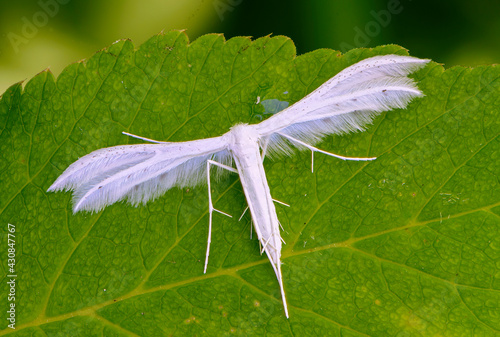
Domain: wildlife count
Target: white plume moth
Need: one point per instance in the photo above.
(345, 103)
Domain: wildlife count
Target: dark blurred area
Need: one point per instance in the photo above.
(38, 34)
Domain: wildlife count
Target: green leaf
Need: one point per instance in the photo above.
(406, 245)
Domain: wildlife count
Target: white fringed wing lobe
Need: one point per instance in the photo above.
(138, 173)
(345, 103)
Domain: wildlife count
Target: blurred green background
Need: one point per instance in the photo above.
(40, 34)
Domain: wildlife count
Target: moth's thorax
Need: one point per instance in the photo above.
(241, 137)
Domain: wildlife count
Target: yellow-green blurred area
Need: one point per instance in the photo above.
(40, 34)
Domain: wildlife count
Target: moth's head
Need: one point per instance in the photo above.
(242, 134)
(238, 128)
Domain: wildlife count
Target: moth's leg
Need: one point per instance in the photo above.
(279, 223)
(281, 202)
(211, 206)
(241, 217)
(315, 149)
(287, 205)
(265, 244)
(246, 209)
(144, 138)
(270, 237)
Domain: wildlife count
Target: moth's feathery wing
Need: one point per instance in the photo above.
(345, 103)
(138, 173)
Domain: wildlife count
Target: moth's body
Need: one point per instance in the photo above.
(244, 145)
(139, 173)
(248, 159)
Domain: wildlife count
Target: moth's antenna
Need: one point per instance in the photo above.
(144, 138)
